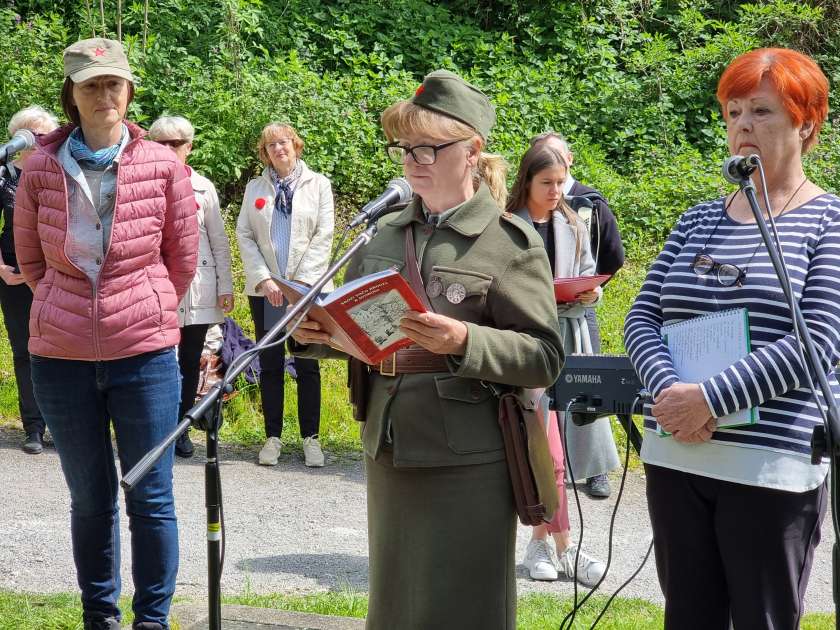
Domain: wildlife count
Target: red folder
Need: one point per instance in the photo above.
(567, 289)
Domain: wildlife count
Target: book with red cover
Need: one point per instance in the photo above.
(567, 289)
(362, 316)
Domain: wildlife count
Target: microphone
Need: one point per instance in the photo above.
(398, 191)
(23, 139)
(738, 168)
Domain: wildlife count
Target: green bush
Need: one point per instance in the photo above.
(631, 83)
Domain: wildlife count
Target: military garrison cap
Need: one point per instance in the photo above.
(446, 93)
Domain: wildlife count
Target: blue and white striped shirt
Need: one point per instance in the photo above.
(771, 376)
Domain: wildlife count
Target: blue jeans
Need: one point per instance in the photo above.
(140, 396)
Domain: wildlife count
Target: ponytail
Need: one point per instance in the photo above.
(492, 170)
(576, 224)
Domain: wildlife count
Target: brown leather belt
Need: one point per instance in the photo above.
(413, 360)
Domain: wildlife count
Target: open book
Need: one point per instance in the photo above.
(363, 315)
(567, 289)
(705, 346)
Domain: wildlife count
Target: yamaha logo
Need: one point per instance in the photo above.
(584, 379)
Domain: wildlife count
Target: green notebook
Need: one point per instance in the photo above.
(707, 345)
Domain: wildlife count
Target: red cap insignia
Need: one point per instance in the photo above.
(420, 90)
(99, 51)
(259, 203)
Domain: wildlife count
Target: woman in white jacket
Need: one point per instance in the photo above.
(210, 295)
(285, 229)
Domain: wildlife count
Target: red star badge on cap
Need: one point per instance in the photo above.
(420, 90)
(98, 51)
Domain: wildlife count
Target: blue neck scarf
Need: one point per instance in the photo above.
(102, 158)
(284, 188)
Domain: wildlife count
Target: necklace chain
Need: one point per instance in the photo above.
(726, 207)
(784, 207)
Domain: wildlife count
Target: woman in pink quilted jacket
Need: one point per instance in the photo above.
(106, 237)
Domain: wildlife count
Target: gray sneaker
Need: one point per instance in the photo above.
(589, 570)
(598, 487)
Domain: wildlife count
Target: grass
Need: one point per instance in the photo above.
(24, 611)
(535, 611)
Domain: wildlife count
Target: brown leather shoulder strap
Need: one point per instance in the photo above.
(415, 279)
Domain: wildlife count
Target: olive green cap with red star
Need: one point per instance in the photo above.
(96, 57)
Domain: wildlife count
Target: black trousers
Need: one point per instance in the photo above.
(272, 370)
(16, 302)
(189, 357)
(730, 550)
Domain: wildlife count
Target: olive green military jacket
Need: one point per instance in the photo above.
(497, 264)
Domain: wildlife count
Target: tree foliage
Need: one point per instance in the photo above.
(630, 82)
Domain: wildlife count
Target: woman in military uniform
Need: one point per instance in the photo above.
(441, 521)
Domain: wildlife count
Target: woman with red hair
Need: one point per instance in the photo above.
(736, 512)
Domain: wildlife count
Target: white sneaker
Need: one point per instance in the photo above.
(270, 452)
(589, 570)
(313, 456)
(540, 561)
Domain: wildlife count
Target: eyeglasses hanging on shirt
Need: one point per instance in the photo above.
(727, 274)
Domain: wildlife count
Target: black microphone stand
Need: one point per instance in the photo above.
(207, 415)
(823, 441)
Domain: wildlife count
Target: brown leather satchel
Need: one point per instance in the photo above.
(528, 458)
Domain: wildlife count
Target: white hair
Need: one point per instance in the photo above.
(170, 127)
(548, 135)
(32, 116)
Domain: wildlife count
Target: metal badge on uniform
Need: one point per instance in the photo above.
(434, 288)
(456, 293)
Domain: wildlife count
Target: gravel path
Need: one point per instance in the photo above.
(289, 529)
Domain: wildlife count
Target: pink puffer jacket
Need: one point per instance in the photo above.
(147, 269)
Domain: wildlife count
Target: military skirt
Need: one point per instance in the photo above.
(441, 547)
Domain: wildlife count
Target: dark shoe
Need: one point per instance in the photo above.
(34, 443)
(184, 446)
(107, 623)
(598, 487)
(146, 625)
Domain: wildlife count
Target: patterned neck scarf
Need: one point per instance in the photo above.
(102, 158)
(284, 188)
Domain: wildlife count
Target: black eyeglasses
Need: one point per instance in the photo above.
(425, 154)
(727, 275)
(175, 143)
